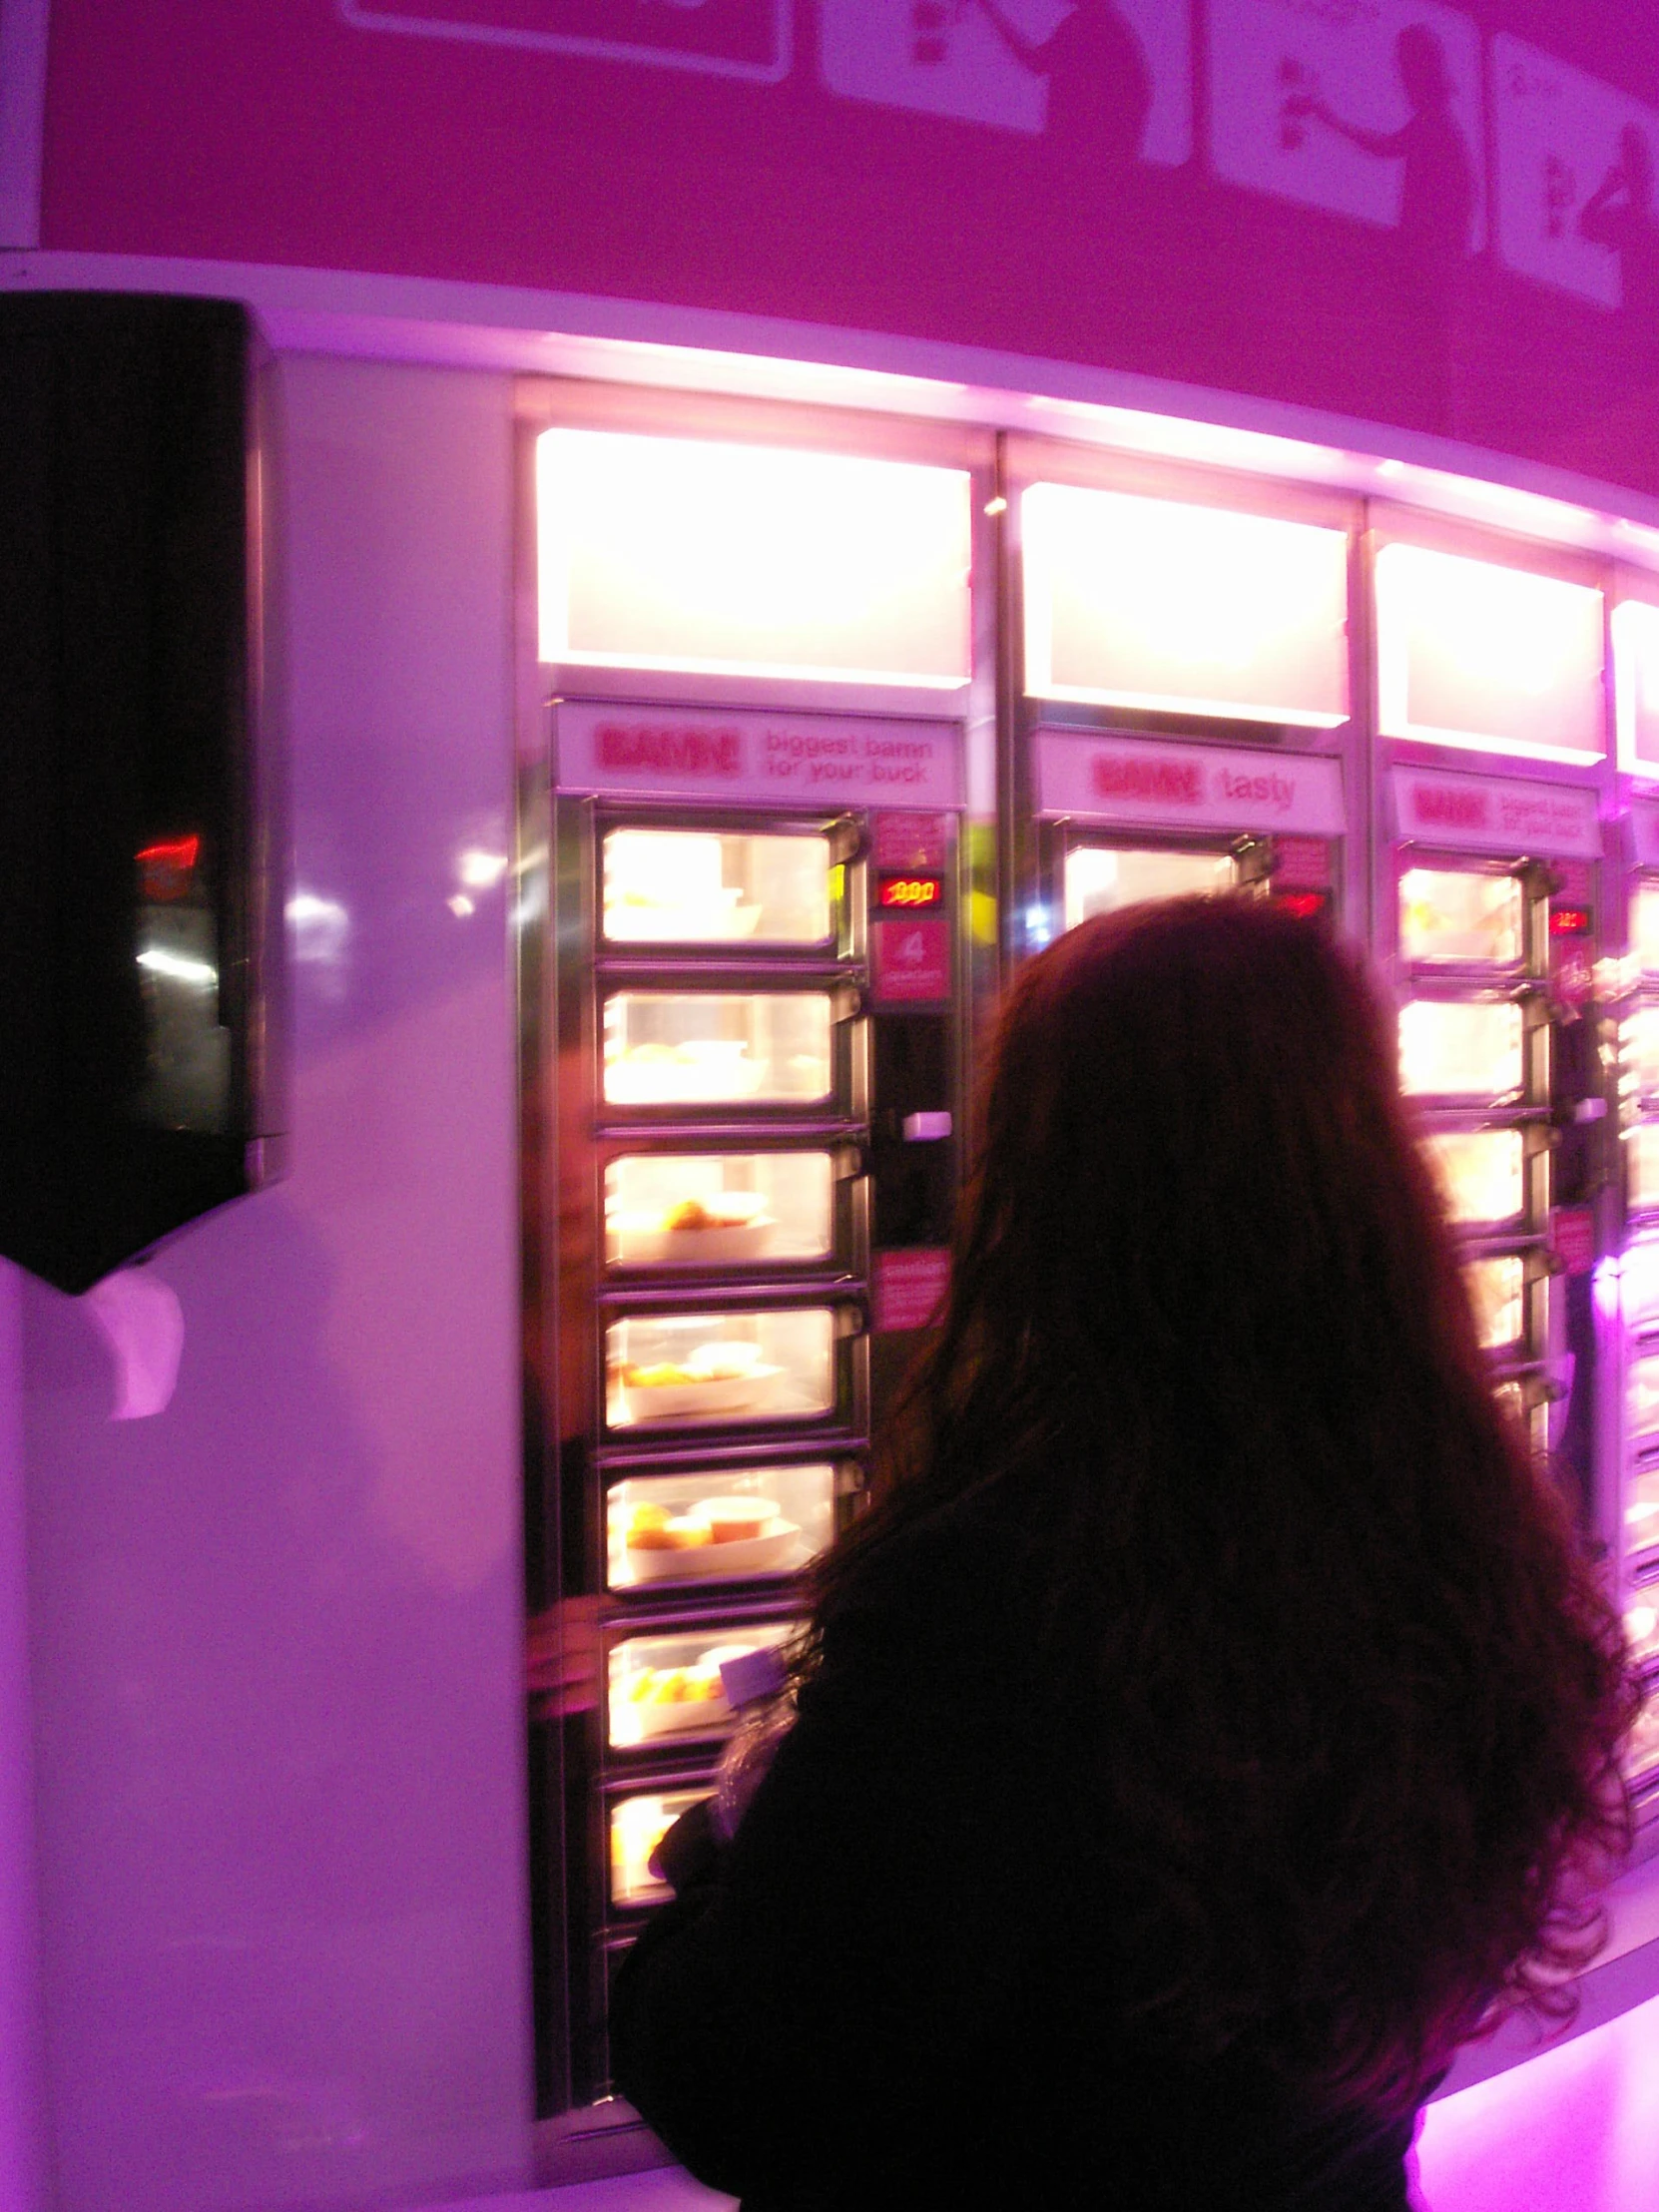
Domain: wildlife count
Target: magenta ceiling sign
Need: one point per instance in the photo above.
(1439, 217)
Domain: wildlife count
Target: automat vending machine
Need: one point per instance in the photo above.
(755, 1081)
(1638, 1516)
(1125, 819)
(1496, 884)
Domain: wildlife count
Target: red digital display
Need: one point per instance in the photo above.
(1570, 921)
(1305, 905)
(911, 893)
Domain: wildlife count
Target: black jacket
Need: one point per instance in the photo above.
(895, 1988)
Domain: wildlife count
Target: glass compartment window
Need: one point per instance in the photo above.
(1642, 1147)
(1639, 1288)
(1474, 1049)
(708, 1048)
(684, 886)
(719, 1210)
(670, 1686)
(638, 1826)
(1641, 1756)
(1463, 914)
(1644, 1395)
(700, 1369)
(1641, 1511)
(1101, 879)
(1497, 1292)
(719, 1524)
(1481, 1173)
(1641, 1051)
(1641, 1623)
(1644, 927)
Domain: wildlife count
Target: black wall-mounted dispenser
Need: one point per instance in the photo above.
(136, 892)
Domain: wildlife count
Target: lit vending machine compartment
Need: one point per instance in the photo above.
(668, 1688)
(1642, 1162)
(1462, 917)
(710, 1048)
(1481, 1174)
(729, 1369)
(1644, 929)
(1641, 1513)
(676, 886)
(637, 1823)
(1498, 1293)
(727, 1209)
(1099, 878)
(1641, 1753)
(1640, 1053)
(718, 1524)
(1641, 1624)
(1469, 1051)
(1644, 1398)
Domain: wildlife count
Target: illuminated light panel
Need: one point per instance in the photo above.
(1134, 602)
(1489, 659)
(737, 560)
(177, 969)
(1635, 629)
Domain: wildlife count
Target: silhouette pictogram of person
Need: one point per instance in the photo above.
(1436, 189)
(1099, 84)
(1619, 214)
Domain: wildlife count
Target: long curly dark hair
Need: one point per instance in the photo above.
(1341, 1689)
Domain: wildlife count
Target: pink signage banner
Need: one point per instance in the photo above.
(1487, 814)
(909, 961)
(909, 1288)
(1199, 786)
(751, 755)
(1404, 212)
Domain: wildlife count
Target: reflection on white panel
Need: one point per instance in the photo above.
(677, 553)
(1644, 1395)
(1101, 879)
(1470, 1050)
(1636, 685)
(1497, 659)
(1481, 1171)
(1135, 602)
(1462, 915)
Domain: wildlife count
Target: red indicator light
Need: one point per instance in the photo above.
(1305, 905)
(1569, 922)
(175, 853)
(165, 868)
(909, 890)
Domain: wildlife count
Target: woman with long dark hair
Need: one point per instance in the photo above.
(1213, 1722)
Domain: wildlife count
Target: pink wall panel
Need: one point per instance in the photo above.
(277, 1628)
(914, 168)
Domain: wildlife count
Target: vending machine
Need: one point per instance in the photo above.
(755, 1080)
(1638, 1518)
(1494, 885)
(1124, 819)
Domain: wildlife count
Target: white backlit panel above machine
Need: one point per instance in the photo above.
(1486, 658)
(737, 560)
(1636, 685)
(1135, 602)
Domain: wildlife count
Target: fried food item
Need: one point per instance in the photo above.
(737, 1520)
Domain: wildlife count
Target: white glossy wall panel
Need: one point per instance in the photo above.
(277, 1628)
